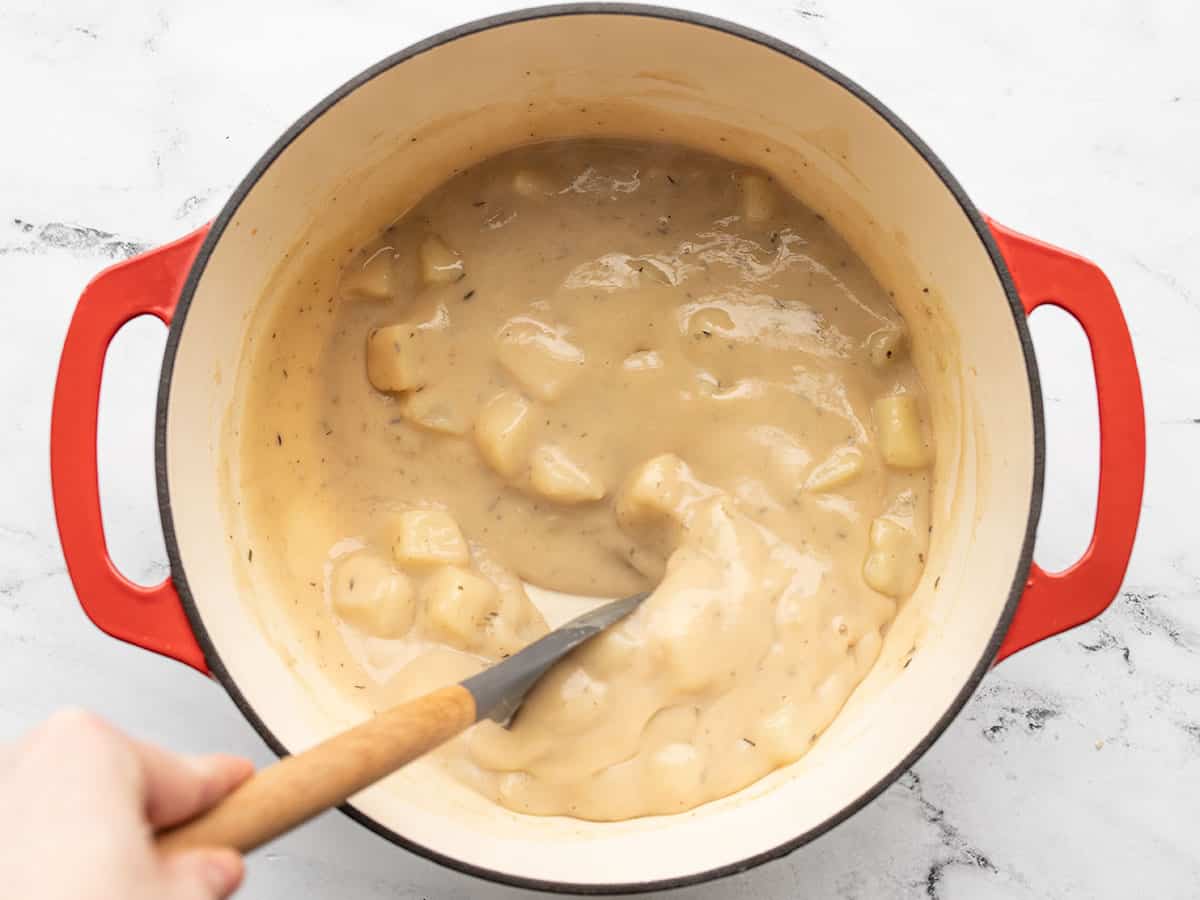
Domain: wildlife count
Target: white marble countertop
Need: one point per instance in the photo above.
(1074, 772)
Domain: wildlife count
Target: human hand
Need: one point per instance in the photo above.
(80, 803)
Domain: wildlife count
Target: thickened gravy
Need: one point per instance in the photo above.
(595, 368)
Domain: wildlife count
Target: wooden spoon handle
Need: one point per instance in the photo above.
(299, 787)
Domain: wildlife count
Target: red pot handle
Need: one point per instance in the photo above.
(149, 617)
(1054, 602)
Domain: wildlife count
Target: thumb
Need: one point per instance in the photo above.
(179, 787)
(210, 874)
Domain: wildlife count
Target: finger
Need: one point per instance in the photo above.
(211, 874)
(94, 763)
(177, 787)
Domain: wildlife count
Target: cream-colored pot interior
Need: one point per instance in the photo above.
(389, 140)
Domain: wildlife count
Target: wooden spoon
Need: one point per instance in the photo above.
(289, 793)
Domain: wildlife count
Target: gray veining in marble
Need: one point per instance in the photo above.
(1074, 772)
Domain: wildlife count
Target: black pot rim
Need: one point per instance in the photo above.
(221, 223)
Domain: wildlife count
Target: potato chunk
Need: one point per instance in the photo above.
(608, 653)
(578, 698)
(662, 487)
(440, 264)
(784, 735)
(677, 771)
(654, 506)
(758, 197)
(396, 357)
(502, 430)
(898, 424)
(541, 360)
(371, 595)
(434, 409)
(556, 476)
(428, 537)
(896, 558)
(884, 569)
(842, 466)
(459, 605)
(369, 279)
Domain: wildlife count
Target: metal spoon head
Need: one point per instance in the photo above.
(500, 690)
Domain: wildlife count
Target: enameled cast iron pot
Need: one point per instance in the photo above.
(376, 144)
